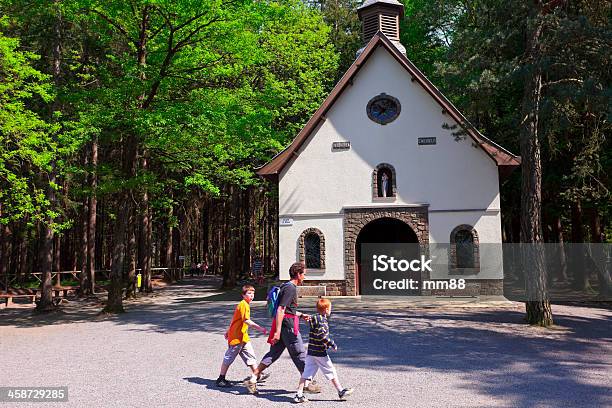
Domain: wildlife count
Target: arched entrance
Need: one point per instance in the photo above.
(416, 217)
(390, 237)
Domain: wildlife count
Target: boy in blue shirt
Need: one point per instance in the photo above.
(317, 359)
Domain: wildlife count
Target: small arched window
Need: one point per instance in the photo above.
(464, 242)
(464, 249)
(312, 248)
(384, 181)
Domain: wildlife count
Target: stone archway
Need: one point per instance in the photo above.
(417, 218)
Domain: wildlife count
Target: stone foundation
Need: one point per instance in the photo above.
(357, 218)
(417, 218)
(333, 288)
(473, 287)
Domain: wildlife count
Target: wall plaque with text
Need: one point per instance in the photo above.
(285, 221)
(341, 145)
(427, 141)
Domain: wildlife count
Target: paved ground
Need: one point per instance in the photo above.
(167, 349)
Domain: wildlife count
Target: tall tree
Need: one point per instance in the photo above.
(27, 149)
(538, 306)
(193, 94)
(536, 67)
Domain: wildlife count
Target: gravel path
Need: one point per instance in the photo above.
(167, 349)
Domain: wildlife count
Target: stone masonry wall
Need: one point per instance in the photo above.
(356, 218)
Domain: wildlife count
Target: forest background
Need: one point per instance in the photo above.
(130, 130)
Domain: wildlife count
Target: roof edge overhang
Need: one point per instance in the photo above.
(502, 157)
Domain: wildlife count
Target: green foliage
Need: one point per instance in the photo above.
(427, 32)
(233, 87)
(341, 17)
(486, 70)
(27, 147)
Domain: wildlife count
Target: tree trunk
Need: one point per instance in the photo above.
(538, 308)
(598, 255)
(147, 282)
(581, 276)
(46, 260)
(205, 230)
(115, 299)
(46, 249)
(99, 233)
(163, 237)
(561, 257)
(23, 254)
(5, 233)
(84, 284)
(125, 208)
(176, 245)
(265, 236)
(131, 251)
(166, 254)
(577, 227)
(246, 232)
(14, 250)
(229, 272)
(274, 232)
(56, 259)
(92, 220)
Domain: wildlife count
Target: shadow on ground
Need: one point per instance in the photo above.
(267, 393)
(492, 351)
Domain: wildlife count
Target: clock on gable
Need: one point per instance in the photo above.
(383, 109)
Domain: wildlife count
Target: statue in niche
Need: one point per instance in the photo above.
(385, 184)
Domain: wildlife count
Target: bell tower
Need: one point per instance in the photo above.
(383, 16)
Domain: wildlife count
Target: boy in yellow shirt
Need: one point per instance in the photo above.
(238, 337)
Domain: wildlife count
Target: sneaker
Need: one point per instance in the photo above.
(223, 383)
(345, 393)
(251, 386)
(299, 399)
(262, 377)
(312, 388)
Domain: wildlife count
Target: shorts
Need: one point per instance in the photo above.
(314, 363)
(246, 352)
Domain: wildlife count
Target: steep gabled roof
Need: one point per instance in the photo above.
(505, 160)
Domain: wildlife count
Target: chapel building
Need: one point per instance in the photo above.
(380, 161)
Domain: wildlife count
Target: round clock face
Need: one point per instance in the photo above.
(383, 109)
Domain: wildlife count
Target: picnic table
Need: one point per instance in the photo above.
(58, 292)
(7, 297)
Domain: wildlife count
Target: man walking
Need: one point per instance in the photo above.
(285, 332)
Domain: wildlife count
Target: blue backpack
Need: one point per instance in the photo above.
(272, 299)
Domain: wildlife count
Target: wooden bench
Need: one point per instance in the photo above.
(7, 298)
(64, 290)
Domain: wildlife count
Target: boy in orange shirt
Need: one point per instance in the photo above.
(238, 338)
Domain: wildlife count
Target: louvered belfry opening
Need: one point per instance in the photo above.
(380, 15)
(389, 25)
(370, 27)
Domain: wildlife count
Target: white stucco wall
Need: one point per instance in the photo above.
(449, 176)
(488, 228)
(486, 223)
(331, 227)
